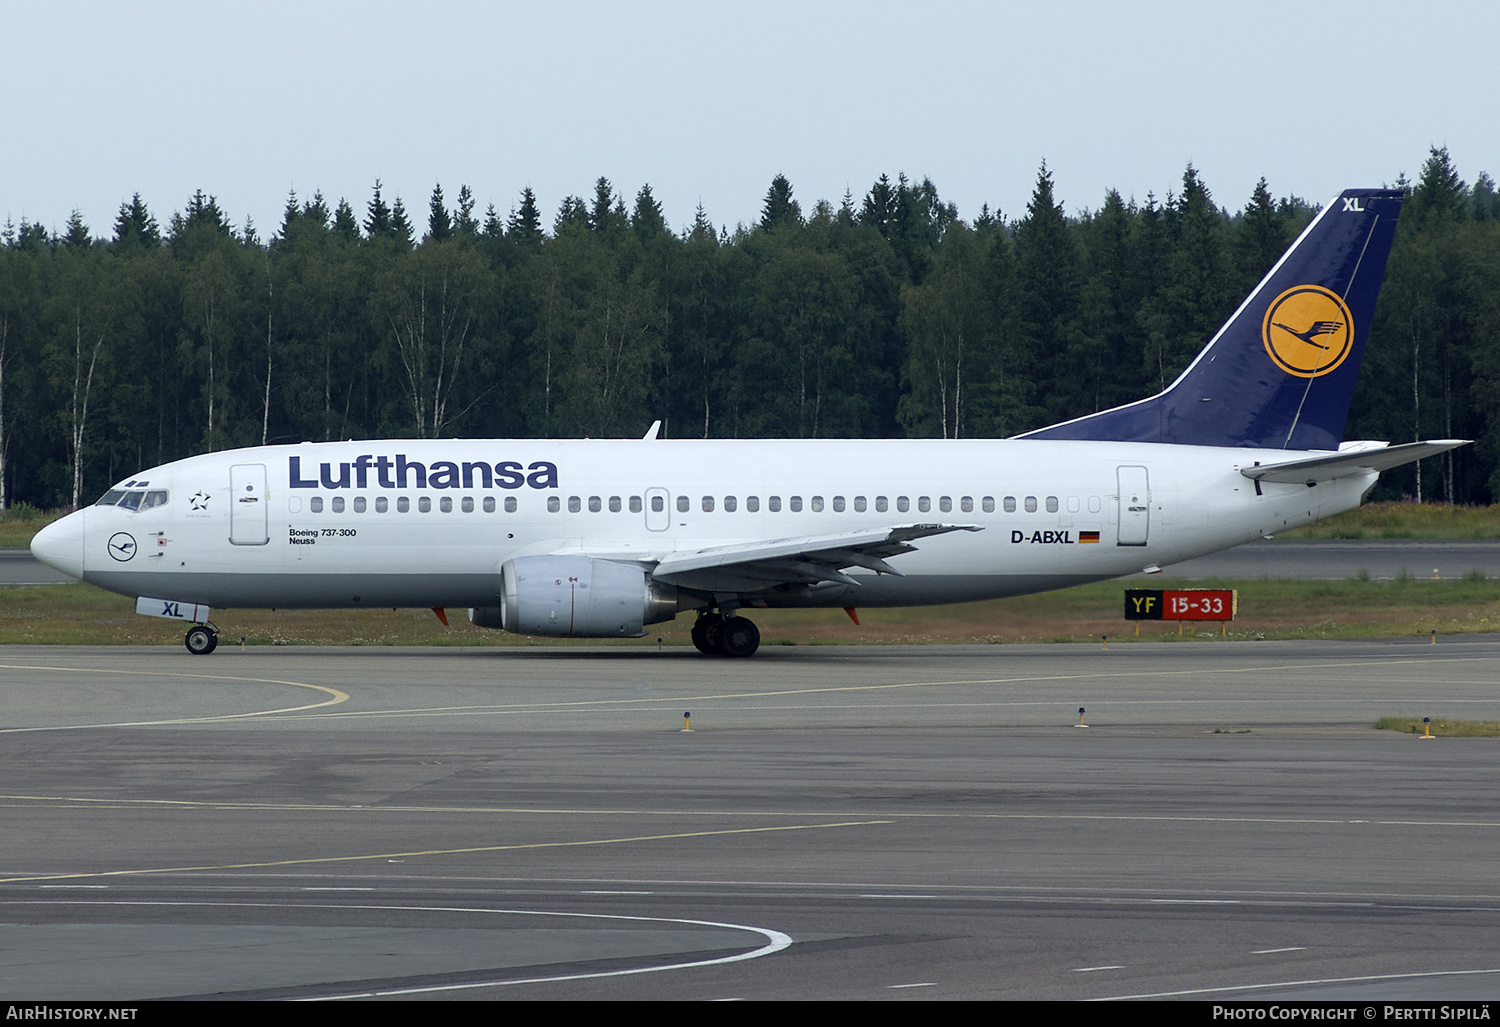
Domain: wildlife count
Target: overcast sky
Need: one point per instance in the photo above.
(709, 101)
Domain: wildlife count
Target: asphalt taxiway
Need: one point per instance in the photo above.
(840, 822)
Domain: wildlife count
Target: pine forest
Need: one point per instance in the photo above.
(880, 315)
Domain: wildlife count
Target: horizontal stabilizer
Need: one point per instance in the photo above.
(1311, 470)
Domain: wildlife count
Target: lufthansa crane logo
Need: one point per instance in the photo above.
(121, 546)
(1308, 331)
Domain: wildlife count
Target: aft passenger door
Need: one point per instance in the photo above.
(1135, 506)
(247, 505)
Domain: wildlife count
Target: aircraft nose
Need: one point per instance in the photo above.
(60, 545)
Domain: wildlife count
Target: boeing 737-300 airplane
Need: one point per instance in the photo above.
(599, 538)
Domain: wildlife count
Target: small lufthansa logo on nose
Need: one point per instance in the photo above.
(121, 546)
(1308, 331)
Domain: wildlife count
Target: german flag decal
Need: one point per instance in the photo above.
(1088, 536)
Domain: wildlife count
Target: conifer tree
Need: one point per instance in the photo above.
(439, 225)
(401, 229)
(779, 207)
(879, 210)
(345, 224)
(526, 220)
(493, 229)
(378, 223)
(647, 222)
(464, 223)
(135, 227)
(1262, 237)
(1440, 195)
(76, 235)
(1482, 198)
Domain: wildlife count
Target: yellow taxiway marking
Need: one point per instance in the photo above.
(434, 852)
(531, 707)
(335, 696)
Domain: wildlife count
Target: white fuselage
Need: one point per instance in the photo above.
(429, 523)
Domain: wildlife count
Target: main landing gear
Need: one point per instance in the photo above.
(717, 635)
(202, 639)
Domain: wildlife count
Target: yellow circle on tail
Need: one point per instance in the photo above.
(1308, 331)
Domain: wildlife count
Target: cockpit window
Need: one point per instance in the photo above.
(135, 499)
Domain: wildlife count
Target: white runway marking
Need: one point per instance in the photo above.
(1300, 984)
(775, 941)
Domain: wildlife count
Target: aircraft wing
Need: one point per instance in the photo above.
(810, 559)
(1311, 470)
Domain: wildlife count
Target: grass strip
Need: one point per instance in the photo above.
(1269, 609)
(1442, 728)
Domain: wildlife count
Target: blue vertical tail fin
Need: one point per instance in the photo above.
(1281, 372)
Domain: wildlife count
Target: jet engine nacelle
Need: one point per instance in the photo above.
(577, 597)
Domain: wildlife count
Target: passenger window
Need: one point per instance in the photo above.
(575, 504)
(838, 504)
(730, 504)
(553, 504)
(924, 504)
(1072, 504)
(966, 504)
(794, 504)
(817, 504)
(1031, 504)
(338, 504)
(774, 504)
(489, 504)
(989, 504)
(1052, 504)
(614, 504)
(424, 504)
(467, 504)
(359, 504)
(859, 504)
(446, 504)
(595, 504)
(635, 504)
(881, 504)
(658, 504)
(752, 504)
(315, 504)
(708, 504)
(902, 504)
(403, 505)
(1010, 504)
(510, 504)
(683, 504)
(945, 504)
(382, 504)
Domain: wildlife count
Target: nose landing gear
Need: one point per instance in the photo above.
(201, 639)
